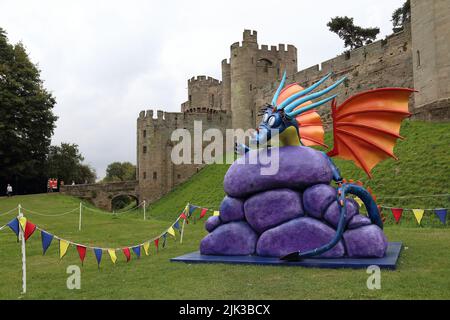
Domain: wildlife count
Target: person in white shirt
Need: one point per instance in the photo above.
(9, 190)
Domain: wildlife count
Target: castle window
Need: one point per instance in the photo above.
(144, 133)
(144, 149)
(190, 100)
(155, 175)
(178, 176)
(251, 87)
(418, 58)
(212, 100)
(145, 175)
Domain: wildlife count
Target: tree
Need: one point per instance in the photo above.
(26, 119)
(353, 36)
(401, 16)
(120, 171)
(65, 163)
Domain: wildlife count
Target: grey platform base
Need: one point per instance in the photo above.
(387, 262)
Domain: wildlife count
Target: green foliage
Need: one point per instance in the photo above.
(26, 118)
(65, 163)
(401, 16)
(353, 36)
(120, 171)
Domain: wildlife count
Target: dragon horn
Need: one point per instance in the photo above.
(303, 92)
(298, 102)
(275, 97)
(311, 106)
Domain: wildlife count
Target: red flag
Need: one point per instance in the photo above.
(203, 213)
(126, 252)
(29, 229)
(156, 244)
(397, 212)
(183, 216)
(81, 252)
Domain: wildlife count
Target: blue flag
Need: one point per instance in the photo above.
(164, 239)
(137, 251)
(98, 255)
(192, 209)
(442, 215)
(14, 225)
(176, 225)
(46, 241)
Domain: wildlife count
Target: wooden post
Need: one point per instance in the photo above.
(144, 210)
(182, 231)
(79, 220)
(24, 255)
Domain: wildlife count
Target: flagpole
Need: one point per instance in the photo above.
(182, 231)
(79, 220)
(24, 256)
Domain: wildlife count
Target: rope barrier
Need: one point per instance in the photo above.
(49, 215)
(408, 197)
(400, 207)
(10, 211)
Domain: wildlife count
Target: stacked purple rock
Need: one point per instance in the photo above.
(294, 209)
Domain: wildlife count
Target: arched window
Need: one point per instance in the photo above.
(265, 64)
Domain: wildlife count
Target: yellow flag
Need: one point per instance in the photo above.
(359, 201)
(418, 213)
(171, 231)
(63, 245)
(23, 222)
(146, 247)
(112, 254)
(216, 213)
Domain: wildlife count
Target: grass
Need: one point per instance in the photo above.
(422, 272)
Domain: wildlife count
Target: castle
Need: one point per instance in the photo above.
(417, 57)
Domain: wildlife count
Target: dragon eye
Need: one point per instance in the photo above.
(266, 117)
(271, 121)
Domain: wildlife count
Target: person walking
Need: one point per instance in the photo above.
(9, 190)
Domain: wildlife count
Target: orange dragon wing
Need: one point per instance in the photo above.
(366, 126)
(310, 125)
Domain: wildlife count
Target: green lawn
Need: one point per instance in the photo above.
(422, 271)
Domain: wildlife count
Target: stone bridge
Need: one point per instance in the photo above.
(102, 194)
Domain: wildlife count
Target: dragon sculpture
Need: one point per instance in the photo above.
(365, 130)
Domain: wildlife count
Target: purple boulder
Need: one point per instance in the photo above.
(212, 223)
(333, 214)
(300, 234)
(358, 221)
(231, 239)
(231, 209)
(271, 208)
(317, 199)
(365, 242)
(298, 168)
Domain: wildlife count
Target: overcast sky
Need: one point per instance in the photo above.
(104, 61)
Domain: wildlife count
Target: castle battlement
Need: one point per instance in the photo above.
(204, 79)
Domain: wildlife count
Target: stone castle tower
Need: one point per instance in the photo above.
(417, 57)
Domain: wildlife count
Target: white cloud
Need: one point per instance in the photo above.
(107, 60)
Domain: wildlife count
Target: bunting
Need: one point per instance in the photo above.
(146, 247)
(442, 215)
(171, 231)
(397, 213)
(359, 201)
(216, 213)
(112, 255)
(418, 213)
(47, 239)
(126, 252)
(29, 229)
(156, 244)
(14, 226)
(82, 253)
(203, 212)
(63, 246)
(137, 251)
(98, 255)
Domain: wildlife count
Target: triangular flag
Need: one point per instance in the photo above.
(82, 253)
(63, 245)
(23, 222)
(442, 215)
(216, 213)
(146, 247)
(192, 209)
(126, 252)
(156, 244)
(29, 229)
(46, 241)
(418, 213)
(176, 225)
(203, 212)
(14, 225)
(183, 216)
(98, 255)
(397, 212)
(164, 240)
(171, 231)
(112, 254)
(359, 201)
(137, 251)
